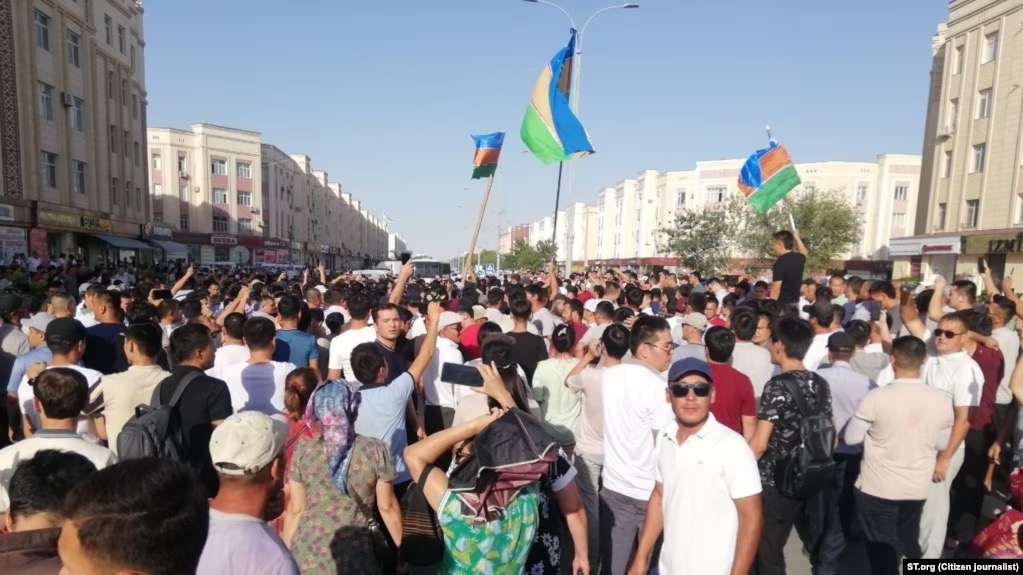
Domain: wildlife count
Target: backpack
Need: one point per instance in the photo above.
(155, 429)
(809, 467)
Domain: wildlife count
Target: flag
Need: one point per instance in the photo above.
(488, 150)
(550, 130)
(767, 176)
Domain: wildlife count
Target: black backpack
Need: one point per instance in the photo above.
(810, 466)
(155, 429)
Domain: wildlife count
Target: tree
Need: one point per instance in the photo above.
(547, 251)
(703, 240)
(522, 257)
(828, 224)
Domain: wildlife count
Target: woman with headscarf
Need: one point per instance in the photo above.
(335, 480)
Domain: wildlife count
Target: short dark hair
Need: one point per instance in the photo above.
(634, 296)
(41, 483)
(186, 340)
(495, 296)
(605, 309)
(191, 308)
(366, 362)
(795, 336)
(720, 344)
(859, 331)
(539, 291)
(967, 289)
(486, 329)
(616, 340)
(883, 287)
(576, 306)
(147, 336)
(563, 337)
(334, 321)
(388, 307)
(520, 308)
(359, 305)
(290, 307)
(258, 333)
(744, 323)
(909, 352)
(976, 321)
(148, 514)
(623, 313)
(785, 237)
(62, 392)
(233, 324)
(645, 330)
(141, 311)
(698, 302)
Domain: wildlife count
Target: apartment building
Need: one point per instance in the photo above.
(971, 197)
(395, 246)
(73, 103)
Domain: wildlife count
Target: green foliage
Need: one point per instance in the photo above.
(702, 240)
(523, 256)
(547, 250)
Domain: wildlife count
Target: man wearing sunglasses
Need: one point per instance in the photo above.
(706, 497)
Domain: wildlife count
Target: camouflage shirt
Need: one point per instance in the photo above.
(779, 407)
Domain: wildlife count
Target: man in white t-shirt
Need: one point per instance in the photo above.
(706, 498)
(258, 384)
(60, 395)
(232, 349)
(359, 331)
(246, 450)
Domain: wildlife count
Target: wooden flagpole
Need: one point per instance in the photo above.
(479, 222)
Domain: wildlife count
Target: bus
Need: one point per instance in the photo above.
(429, 269)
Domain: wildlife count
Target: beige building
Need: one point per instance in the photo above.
(971, 199)
(73, 103)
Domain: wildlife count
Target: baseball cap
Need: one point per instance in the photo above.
(82, 288)
(9, 302)
(320, 288)
(841, 341)
(697, 320)
(448, 318)
(684, 367)
(591, 305)
(39, 321)
(247, 442)
(64, 330)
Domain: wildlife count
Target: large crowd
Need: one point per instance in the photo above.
(164, 420)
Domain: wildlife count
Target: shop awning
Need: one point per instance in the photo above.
(123, 243)
(173, 250)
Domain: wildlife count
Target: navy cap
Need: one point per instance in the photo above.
(684, 367)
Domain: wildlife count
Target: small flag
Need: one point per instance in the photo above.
(550, 130)
(767, 176)
(488, 150)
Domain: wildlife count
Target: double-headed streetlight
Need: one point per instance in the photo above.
(573, 104)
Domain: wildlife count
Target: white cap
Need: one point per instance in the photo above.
(320, 288)
(448, 318)
(247, 442)
(38, 321)
(591, 304)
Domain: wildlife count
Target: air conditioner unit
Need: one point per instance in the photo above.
(254, 210)
(67, 99)
(183, 175)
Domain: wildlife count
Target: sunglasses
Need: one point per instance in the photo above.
(681, 390)
(944, 332)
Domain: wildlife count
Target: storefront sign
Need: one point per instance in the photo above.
(162, 231)
(938, 248)
(13, 241)
(94, 223)
(46, 217)
(6, 213)
(994, 244)
(296, 245)
(223, 240)
(275, 244)
(324, 249)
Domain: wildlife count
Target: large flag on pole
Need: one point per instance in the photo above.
(550, 130)
(767, 176)
(488, 150)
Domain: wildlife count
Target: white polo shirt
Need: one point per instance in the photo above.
(700, 480)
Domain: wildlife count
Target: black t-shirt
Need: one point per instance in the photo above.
(100, 352)
(206, 400)
(529, 350)
(394, 360)
(788, 269)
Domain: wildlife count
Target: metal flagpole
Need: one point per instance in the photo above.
(557, 204)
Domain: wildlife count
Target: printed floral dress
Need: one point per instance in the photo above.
(497, 547)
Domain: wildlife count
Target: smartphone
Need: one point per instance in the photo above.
(910, 284)
(162, 294)
(981, 268)
(405, 257)
(461, 375)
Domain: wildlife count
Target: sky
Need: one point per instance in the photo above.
(384, 94)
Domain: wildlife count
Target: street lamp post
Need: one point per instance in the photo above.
(573, 104)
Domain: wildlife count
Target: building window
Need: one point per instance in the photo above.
(120, 38)
(978, 158)
(901, 193)
(127, 194)
(73, 49)
(158, 217)
(244, 225)
(108, 27)
(42, 30)
(113, 191)
(957, 59)
(110, 84)
(861, 194)
(809, 188)
(220, 223)
(46, 101)
(183, 193)
(124, 92)
(946, 167)
(184, 223)
(899, 221)
(244, 170)
(219, 196)
(990, 48)
(134, 107)
(244, 199)
(78, 170)
(132, 50)
(49, 169)
(218, 167)
(137, 154)
(127, 142)
(157, 162)
(984, 103)
(183, 164)
(972, 213)
(941, 216)
(158, 190)
(114, 138)
(716, 195)
(77, 115)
